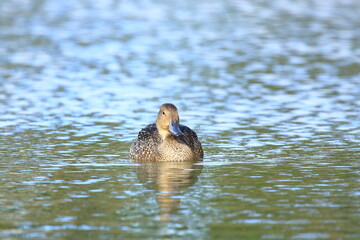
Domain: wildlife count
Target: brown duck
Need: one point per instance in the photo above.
(166, 140)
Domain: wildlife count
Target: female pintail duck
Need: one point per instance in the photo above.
(166, 140)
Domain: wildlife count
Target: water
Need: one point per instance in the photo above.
(271, 88)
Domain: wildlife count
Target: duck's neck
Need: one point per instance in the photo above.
(164, 134)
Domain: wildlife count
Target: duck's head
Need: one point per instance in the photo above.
(167, 121)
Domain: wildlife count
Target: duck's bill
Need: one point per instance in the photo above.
(175, 128)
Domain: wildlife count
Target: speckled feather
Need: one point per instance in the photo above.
(145, 146)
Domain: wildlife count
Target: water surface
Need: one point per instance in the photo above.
(271, 88)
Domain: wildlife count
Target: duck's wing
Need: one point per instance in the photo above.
(145, 146)
(190, 137)
(147, 132)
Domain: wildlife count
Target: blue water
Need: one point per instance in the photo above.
(271, 88)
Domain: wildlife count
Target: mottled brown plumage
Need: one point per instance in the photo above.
(166, 140)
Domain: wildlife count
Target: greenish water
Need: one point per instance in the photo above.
(271, 87)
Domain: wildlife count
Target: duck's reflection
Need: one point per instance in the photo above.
(169, 179)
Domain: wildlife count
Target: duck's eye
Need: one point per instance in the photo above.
(163, 113)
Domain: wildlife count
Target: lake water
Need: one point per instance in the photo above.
(271, 87)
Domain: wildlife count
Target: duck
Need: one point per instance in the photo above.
(166, 139)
